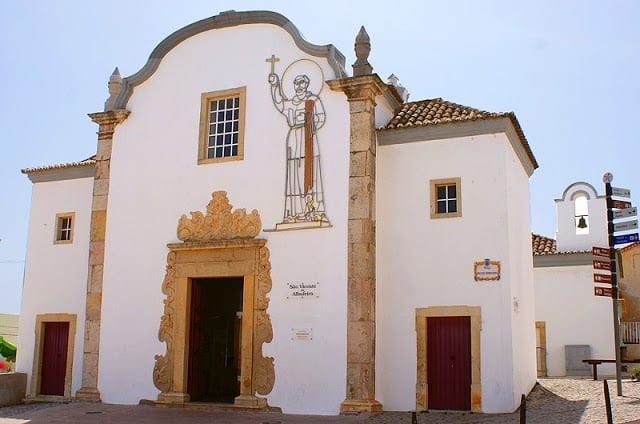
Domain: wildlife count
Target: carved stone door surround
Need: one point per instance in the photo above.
(422, 387)
(218, 244)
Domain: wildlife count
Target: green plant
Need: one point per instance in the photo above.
(635, 374)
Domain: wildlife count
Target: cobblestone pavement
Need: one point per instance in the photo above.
(561, 401)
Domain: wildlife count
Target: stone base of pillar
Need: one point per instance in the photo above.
(250, 401)
(174, 398)
(88, 394)
(353, 406)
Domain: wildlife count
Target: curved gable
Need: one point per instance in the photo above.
(576, 188)
(226, 20)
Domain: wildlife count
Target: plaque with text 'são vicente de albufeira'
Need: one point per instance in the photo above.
(303, 290)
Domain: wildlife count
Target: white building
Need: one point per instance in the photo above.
(572, 323)
(377, 253)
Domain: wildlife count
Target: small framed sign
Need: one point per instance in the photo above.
(298, 334)
(486, 270)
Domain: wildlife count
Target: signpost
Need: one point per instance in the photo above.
(601, 252)
(620, 204)
(602, 278)
(603, 291)
(620, 192)
(625, 210)
(602, 265)
(626, 225)
(626, 238)
(625, 213)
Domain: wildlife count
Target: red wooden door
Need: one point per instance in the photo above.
(214, 344)
(449, 363)
(196, 382)
(54, 358)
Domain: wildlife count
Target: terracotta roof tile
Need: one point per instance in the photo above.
(436, 111)
(424, 113)
(86, 162)
(542, 245)
(629, 247)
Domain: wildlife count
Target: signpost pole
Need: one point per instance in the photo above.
(614, 279)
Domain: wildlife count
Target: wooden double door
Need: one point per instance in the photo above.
(449, 362)
(214, 339)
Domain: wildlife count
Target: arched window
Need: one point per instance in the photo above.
(581, 214)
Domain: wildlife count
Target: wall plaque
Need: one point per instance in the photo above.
(303, 290)
(301, 334)
(486, 270)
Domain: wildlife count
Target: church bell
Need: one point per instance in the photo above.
(582, 222)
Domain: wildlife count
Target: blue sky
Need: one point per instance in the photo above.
(569, 70)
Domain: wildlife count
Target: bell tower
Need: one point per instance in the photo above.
(581, 216)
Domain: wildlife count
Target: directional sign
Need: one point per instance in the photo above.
(627, 238)
(625, 213)
(602, 278)
(620, 192)
(620, 204)
(603, 252)
(602, 265)
(603, 291)
(626, 225)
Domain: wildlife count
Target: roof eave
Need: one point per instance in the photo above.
(563, 259)
(506, 123)
(67, 171)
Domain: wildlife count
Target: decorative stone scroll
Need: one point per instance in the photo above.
(221, 243)
(263, 369)
(163, 369)
(220, 223)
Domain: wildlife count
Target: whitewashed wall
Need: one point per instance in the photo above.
(55, 279)
(573, 315)
(521, 277)
(425, 262)
(155, 179)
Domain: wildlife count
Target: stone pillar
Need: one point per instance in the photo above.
(361, 92)
(107, 122)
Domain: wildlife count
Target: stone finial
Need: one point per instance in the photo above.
(362, 49)
(115, 84)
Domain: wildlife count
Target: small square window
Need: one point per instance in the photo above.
(64, 228)
(222, 125)
(445, 198)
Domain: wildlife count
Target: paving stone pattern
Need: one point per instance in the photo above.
(561, 401)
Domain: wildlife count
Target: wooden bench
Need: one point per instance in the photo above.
(595, 362)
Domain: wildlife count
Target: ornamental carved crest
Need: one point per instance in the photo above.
(220, 222)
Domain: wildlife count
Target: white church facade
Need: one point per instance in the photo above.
(275, 233)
